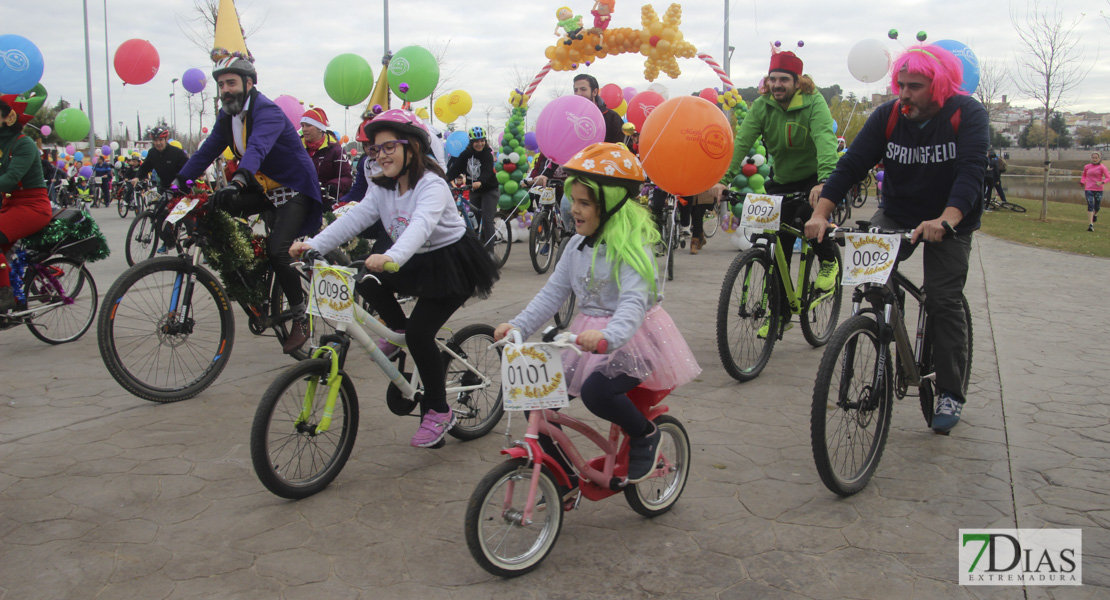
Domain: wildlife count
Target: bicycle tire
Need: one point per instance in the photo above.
(853, 348)
(657, 495)
(122, 205)
(502, 242)
(1014, 207)
(565, 313)
(142, 238)
(71, 321)
(820, 311)
(289, 457)
(926, 394)
(712, 220)
(842, 213)
(742, 311)
(865, 189)
(320, 325)
(541, 233)
(134, 315)
(477, 412)
(495, 514)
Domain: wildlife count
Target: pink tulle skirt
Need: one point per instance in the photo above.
(657, 354)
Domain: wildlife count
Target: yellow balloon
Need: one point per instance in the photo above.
(227, 154)
(620, 110)
(442, 109)
(460, 102)
(421, 112)
(176, 144)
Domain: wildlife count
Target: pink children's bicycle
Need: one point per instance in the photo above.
(516, 512)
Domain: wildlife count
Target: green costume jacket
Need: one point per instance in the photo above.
(799, 140)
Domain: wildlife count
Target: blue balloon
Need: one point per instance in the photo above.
(144, 154)
(79, 156)
(835, 126)
(456, 143)
(21, 67)
(968, 59)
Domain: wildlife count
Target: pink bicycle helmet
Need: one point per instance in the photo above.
(401, 121)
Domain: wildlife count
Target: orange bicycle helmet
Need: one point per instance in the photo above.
(608, 164)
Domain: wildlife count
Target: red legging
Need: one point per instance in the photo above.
(23, 213)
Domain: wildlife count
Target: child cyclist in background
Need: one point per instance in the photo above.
(610, 265)
(442, 263)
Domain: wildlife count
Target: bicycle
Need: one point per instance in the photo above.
(852, 395)
(842, 213)
(167, 327)
(994, 203)
(857, 194)
(673, 235)
(546, 230)
(749, 300)
(502, 240)
(97, 189)
(306, 423)
(55, 293)
(716, 215)
(130, 198)
(515, 514)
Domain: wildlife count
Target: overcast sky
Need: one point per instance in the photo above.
(493, 44)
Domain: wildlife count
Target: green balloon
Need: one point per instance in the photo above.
(34, 98)
(502, 177)
(511, 187)
(519, 196)
(740, 181)
(71, 125)
(348, 79)
(517, 175)
(764, 170)
(505, 202)
(738, 210)
(755, 181)
(415, 67)
(747, 190)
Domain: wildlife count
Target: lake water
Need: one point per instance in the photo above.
(1060, 189)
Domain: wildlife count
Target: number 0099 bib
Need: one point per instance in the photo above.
(532, 377)
(869, 257)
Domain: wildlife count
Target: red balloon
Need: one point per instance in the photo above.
(641, 105)
(204, 130)
(709, 94)
(509, 167)
(136, 61)
(612, 94)
(748, 169)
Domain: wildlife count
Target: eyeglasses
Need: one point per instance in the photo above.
(388, 148)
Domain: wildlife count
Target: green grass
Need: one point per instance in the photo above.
(1066, 228)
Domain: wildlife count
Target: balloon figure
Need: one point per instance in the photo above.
(603, 14)
(570, 23)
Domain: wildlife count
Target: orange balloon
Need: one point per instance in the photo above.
(686, 145)
(344, 140)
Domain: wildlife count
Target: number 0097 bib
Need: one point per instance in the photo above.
(762, 211)
(532, 377)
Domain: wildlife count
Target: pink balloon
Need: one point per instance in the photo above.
(292, 109)
(709, 94)
(45, 130)
(641, 105)
(612, 96)
(629, 93)
(71, 149)
(567, 125)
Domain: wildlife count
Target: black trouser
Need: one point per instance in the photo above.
(944, 267)
(285, 223)
(795, 213)
(689, 214)
(420, 328)
(992, 185)
(485, 200)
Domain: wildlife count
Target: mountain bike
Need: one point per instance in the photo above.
(515, 514)
(748, 310)
(858, 376)
(502, 241)
(57, 299)
(996, 203)
(857, 194)
(547, 230)
(305, 425)
(674, 236)
(133, 198)
(716, 215)
(167, 327)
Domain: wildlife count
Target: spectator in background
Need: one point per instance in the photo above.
(326, 152)
(993, 179)
(1094, 176)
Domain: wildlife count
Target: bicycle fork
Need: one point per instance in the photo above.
(333, 382)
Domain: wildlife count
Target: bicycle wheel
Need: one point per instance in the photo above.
(927, 394)
(842, 213)
(712, 220)
(147, 347)
(291, 458)
(865, 189)
(566, 311)
(1014, 207)
(820, 310)
(142, 238)
(541, 237)
(279, 306)
(655, 496)
(502, 240)
(478, 411)
(64, 322)
(123, 203)
(498, 537)
(850, 417)
(749, 300)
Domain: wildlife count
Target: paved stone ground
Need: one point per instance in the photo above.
(104, 495)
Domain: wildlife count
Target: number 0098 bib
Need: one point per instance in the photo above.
(532, 377)
(330, 296)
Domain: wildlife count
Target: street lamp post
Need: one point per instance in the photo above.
(173, 104)
(173, 109)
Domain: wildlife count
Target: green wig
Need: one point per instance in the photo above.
(629, 233)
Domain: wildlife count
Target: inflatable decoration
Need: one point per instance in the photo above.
(71, 125)
(416, 69)
(348, 79)
(136, 61)
(511, 165)
(968, 59)
(686, 145)
(292, 109)
(868, 61)
(34, 98)
(567, 125)
(194, 81)
(22, 64)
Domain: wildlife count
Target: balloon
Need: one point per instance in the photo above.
(61, 164)
(204, 130)
(514, 157)
(460, 102)
(868, 61)
(136, 61)
(756, 182)
(22, 64)
(629, 92)
(348, 79)
(416, 67)
(835, 126)
(879, 176)
(194, 81)
(511, 187)
(709, 94)
(686, 145)
(79, 156)
(758, 160)
(70, 149)
(292, 109)
(968, 59)
(456, 143)
(344, 140)
(641, 105)
(86, 171)
(106, 150)
(623, 108)
(443, 111)
(749, 169)
(113, 146)
(34, 98)
(502, 177)
(176, 144)
(71, 125)
(660, 89)
(143, 154)
(510, 168)
(567, 125)
(530, 141)
(422, 113)
(612, 95)
(45, 130)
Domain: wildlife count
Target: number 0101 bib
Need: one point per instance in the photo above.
(532, 377)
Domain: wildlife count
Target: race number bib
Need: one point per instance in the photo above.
(761, 211)
(532, 377)
(547, 195)
(341, 210)
(869, 257)
(183, 207)
(330, 296)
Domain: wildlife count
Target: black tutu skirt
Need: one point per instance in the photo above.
(462, 270)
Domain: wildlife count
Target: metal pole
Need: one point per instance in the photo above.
(727, 56)
(385, 3)
(88, 80)
(173, 104)
(107, 71)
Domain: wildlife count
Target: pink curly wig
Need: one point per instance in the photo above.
(934, 62)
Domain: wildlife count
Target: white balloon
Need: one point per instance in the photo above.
(741, 238)
(114, 145)
(660, 89)
(868, 61)
(97, 152)
(514, 157)
(758, 160)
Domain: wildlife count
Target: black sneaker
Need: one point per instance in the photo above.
(643, 454)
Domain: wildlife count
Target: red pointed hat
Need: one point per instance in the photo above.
(786, 61)
(316, 117)
(18, 106)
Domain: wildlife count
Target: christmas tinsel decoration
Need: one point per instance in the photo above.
(358, 248)
(17, 265)
(239, 256)
(66, 231)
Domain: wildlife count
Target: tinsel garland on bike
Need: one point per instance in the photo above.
(67, 231)
(358, 248)
(238, 255)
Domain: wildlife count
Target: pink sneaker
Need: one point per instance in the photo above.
(432, 428)
(389, 348)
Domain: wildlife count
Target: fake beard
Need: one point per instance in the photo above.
(233, 103)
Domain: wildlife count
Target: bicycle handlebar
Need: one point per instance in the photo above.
(311, 255)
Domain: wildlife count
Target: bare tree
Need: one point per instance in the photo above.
(448, 73)
(1050, 65)
(994, 78)
(200, 28)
